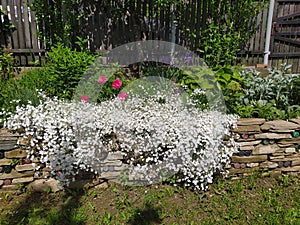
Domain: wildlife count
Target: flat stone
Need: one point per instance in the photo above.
(17, 153)
(15, 174)
(5, 162)
(289, 141)
(282, 131)
(103, 185)
(1, 182)
(294, 156)
(251, 165)
(243, 171)
(277, 155)
(42, 185)
(249, 159)
(114, 156)
(7, 137)
(249, 129)
(22, 180)
(7, 145)
(250, 121)
(244, 140)
(285, 145)
(296, 120)
(289, 169)
(110, 175)
(265, 149)
(47, 169)
(11, 187)
(247, 143)
(7, 132)
(111, 163)
(268, 164)
(279, 159)
(247, 148)
(290, 150)
(25, 167)
(280, 125)
(295, 162)
(272, 136)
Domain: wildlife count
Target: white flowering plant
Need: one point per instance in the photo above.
(159, 135)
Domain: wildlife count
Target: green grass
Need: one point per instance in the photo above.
(251, 200)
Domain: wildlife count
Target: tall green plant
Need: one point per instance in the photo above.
(57, 20)
(6, 65)
(229, 25)
(65, 68)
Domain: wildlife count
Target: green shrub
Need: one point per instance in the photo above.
(231, 83)
(65, 68)
(6, 65)
(275, 96)
(18, 92)
(278, 86)
(229, 26)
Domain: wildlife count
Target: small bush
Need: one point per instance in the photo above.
(19, 92)
(65, 68)
(6, 65)
(149, 132)
(270, 96)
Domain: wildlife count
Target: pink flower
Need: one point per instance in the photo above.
(102, 79)
(84, 98)
(117, 84)
(123, 96)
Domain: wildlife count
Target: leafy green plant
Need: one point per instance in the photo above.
(6, 65)
(57, 20)
(272, 96)
(229, 26)
(231, 84)
(18, 92)
(219, 46)
(65, 68)
(5, 25)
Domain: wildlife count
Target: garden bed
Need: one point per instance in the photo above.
(267, 147)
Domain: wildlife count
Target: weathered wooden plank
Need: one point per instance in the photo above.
(290, 16)
(26, 27)
(287, 40)
(33, 29)
(290, 34)
(11, 12)
(289, 1)
(284, 54)
(28, 50)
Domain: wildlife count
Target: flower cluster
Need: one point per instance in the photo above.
(116, 85)
(156, 138)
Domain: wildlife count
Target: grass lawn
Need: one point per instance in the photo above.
(251, 200)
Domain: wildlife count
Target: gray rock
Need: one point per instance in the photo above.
(42, 185)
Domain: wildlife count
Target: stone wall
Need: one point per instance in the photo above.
(266, 146)
(15, 169)
(263, 146)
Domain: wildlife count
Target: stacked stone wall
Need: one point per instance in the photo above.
(263, 146)
(16, 170)
(266, 146)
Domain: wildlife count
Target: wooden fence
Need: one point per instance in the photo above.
(23, 41)
(147, 21)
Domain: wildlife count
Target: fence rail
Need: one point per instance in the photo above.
(146, 21)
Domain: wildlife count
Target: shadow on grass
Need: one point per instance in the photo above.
(39, 208)
(148, 215)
